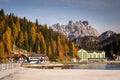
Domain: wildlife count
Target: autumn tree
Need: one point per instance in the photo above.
(7, 41)
(66, 49)
(54, 46)
(49, 49)
(42, 43)
(15, 31)
(53, 51)
(2, 50)
(60, 48)
(74, 50)
(38, 49)
(32, 36)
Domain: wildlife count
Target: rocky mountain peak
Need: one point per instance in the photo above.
(86, 23)
(75, 29)
(106, 34)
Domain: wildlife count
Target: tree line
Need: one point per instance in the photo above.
(33, 37)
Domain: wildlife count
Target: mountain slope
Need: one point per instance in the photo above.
(106, 35)
(75, 29)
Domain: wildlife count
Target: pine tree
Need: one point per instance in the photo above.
(21, 40)
(2, 14)
(26, 45)
(18, 24)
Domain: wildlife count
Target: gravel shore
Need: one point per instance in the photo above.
(63, 74)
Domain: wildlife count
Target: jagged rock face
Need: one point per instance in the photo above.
(75, 29)
(106, 35)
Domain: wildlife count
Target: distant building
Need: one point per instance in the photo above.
(18, 58)
(38, 58)
(93, 56)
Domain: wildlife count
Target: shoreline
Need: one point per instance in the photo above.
(66, 65)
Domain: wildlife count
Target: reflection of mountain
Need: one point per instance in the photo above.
(75, 29)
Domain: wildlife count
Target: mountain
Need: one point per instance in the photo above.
(106, 35)
(75, 29)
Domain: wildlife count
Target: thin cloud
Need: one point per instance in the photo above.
(90, 4)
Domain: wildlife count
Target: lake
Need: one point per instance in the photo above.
(94, 66)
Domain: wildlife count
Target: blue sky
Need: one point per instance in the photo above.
(102, 14)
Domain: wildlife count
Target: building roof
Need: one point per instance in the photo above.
(37, 55)
(91, 51)
(18, 55)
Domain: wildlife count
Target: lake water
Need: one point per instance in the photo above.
(95, 66)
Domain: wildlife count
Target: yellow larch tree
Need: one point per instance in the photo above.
(2, 50)
(38, 49)
(33, 33)
(7, 41)
(66, 49)
(74, 50)
(60, 48)
(54, 46)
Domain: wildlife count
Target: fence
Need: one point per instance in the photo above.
(7, 66)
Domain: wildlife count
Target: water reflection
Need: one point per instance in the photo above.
(95, 66)
(113, 66)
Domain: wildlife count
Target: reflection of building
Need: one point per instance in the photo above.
(38, 58)
(91, 55)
